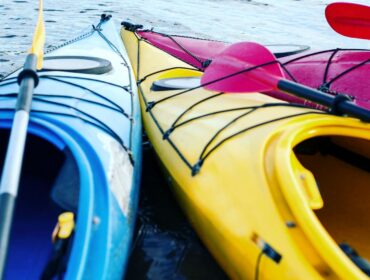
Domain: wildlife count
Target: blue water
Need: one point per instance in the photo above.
(165, 246)
(63, 20)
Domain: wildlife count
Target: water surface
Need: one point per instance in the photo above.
(264, 21)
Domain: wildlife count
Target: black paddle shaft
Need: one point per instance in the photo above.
(7, 202)
(27, 80)
(338, 104)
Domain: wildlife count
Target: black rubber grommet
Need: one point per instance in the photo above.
(334, 108)
(167, 133)
(206, 63)
(150, 105)
(196, 168)
(324, 88)
(130, 26)
(28, 73)
(105, 17)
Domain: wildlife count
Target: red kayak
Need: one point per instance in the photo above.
(336, 71)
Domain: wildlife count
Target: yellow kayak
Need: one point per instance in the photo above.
(274, 190)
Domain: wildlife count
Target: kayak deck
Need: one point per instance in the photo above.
(331, 71)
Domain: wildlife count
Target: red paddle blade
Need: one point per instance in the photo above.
(243, 67)
(348, 19)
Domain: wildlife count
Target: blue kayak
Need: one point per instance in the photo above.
(82, 159)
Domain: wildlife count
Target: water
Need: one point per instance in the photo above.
(265, 21)
(166, 247)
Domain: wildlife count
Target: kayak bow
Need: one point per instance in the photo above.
(82, 157)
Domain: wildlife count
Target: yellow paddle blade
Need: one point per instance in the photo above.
(39, 38)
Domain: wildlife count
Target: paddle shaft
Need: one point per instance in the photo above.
(14, 156)
(342, 106)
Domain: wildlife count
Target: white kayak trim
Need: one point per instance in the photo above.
(14, 156)
(120, 172)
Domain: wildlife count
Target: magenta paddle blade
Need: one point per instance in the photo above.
(348, 19)
(228, 72)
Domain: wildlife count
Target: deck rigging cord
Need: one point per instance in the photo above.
(209, 149)
(195, 167)
(324, 87)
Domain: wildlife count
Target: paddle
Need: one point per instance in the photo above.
(250, 67)
(348, 19)
(27, 79)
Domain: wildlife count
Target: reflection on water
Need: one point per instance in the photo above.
(165, 246)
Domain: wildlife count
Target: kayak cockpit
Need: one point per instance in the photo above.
(341, 168)
(49, 186)
(324, 176)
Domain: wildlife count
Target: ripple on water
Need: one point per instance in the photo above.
(51, 10)
(8, 36)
